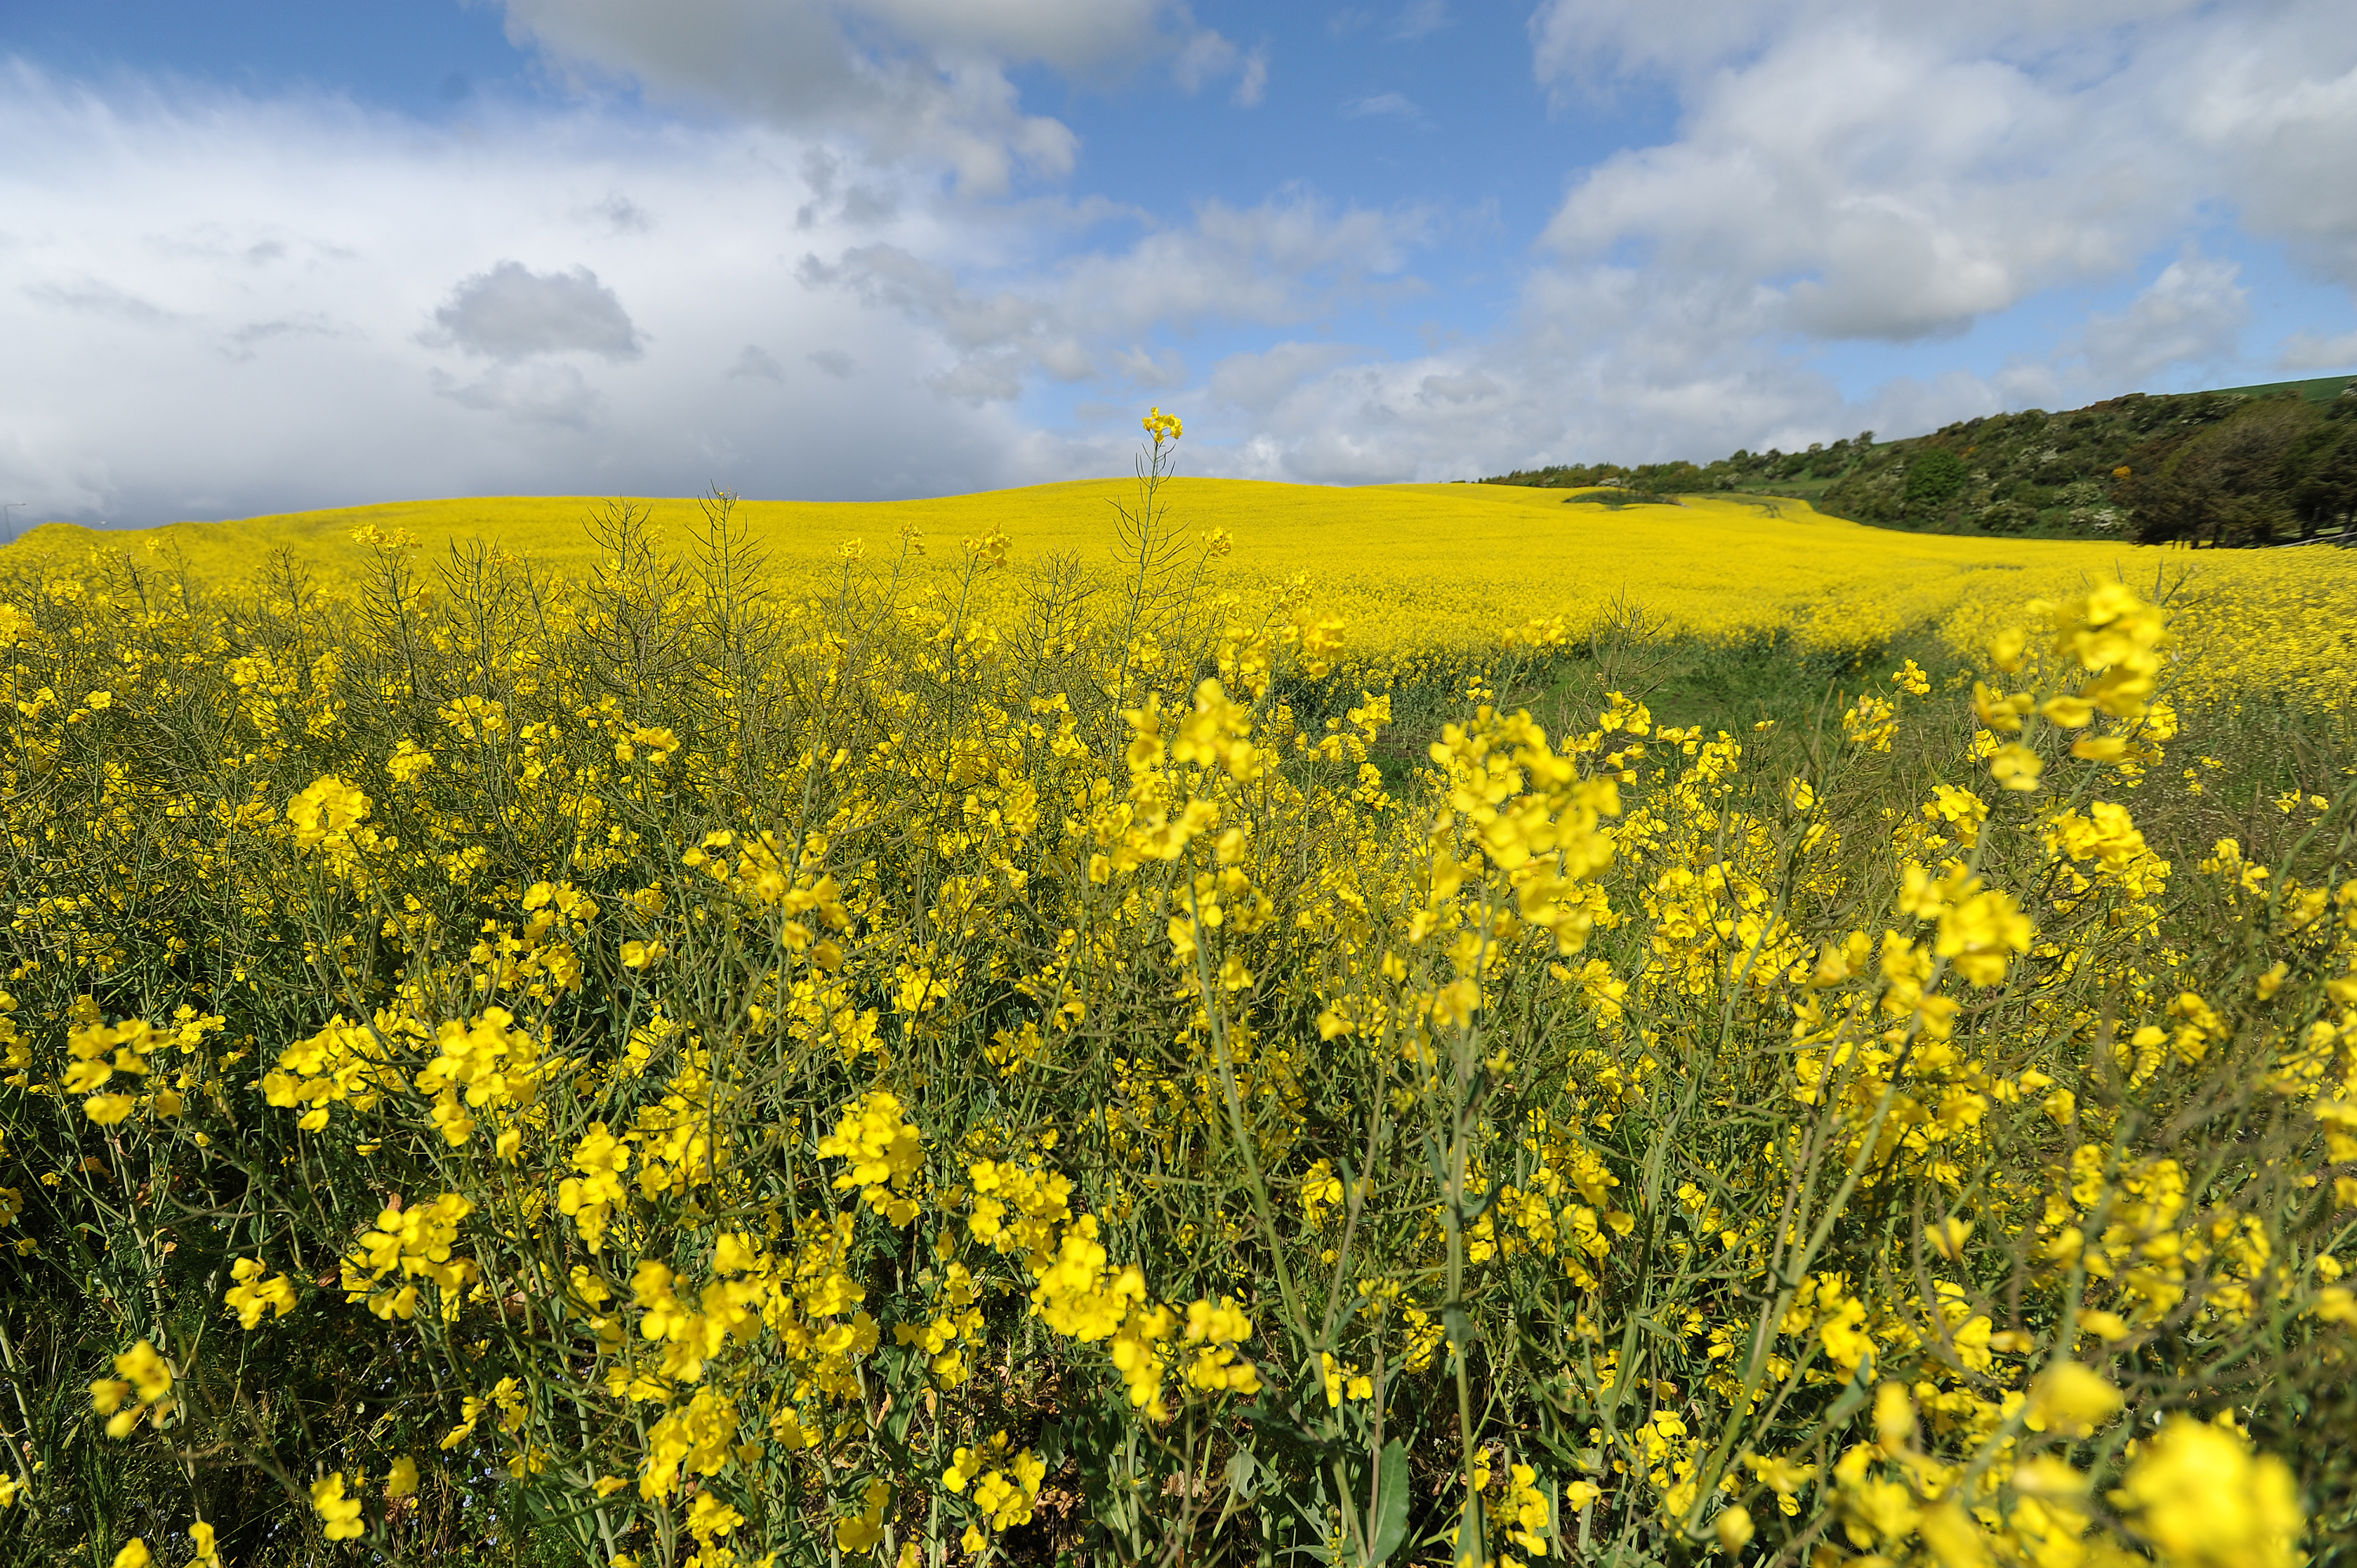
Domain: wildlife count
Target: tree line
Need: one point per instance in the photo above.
(2232, 468)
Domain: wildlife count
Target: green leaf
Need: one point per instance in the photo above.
(1391, 1503)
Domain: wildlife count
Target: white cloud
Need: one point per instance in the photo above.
(1206, 57)
(2192, 315)
(1900, 171)
(2275, 107)
(1879, 170)
(1252, 82)
(1419, 18)
(1886, 189)
(1394, 105)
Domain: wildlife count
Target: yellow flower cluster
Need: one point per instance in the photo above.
(142, 1387)
(983, 1059)
(409, 1245)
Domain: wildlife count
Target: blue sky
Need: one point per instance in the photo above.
(268, 256)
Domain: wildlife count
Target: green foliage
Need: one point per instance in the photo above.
(1932, 477)
(2253, 465)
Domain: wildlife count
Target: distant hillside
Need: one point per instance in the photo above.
(2243, 465)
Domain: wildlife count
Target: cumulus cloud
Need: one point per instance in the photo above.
(2192, 315)
(2275, 108)
(1886, 189)
(514, 313)
(1895, 171)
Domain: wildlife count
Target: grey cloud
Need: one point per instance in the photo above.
(998, 337)
(245, 343)
(1287, 259)
(834, 361)
(1144, 367)
(1284, 261)
(622, 215)
(1471, 387)
(1256, 381)
(97, 298)
(542, 395)
(512, 313)
(2313, 351)
(756, 362)
(890, 276)
(981, 379)
(866, 206)
(862, 204)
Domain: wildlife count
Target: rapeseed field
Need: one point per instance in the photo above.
(1226, 1029)
(1419, 569)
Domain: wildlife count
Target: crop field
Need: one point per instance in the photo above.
(1423, 1026)
(1417, 569)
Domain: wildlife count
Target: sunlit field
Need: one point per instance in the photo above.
(1418, 568)
(1246, 1026)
